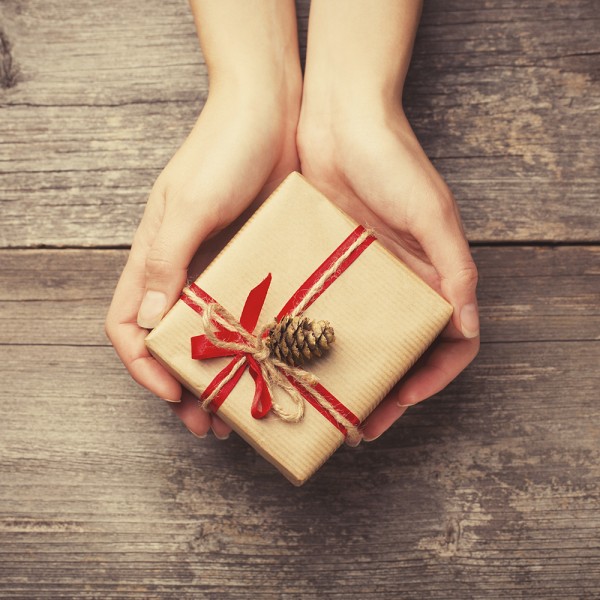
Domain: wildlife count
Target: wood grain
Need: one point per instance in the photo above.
(526, 294)
(489, 490)
(503, 95)
(492, 486)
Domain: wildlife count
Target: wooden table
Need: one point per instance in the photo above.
(489, 490)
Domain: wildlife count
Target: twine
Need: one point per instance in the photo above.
(318, 286)
(273, 370)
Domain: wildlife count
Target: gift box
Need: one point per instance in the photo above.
(299, 279)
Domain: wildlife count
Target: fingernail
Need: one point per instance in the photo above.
(372, 439)
(218, 436)
(152, 309)
(169, 400)
(469, 321)
(200, 437)
(406, 405)
(353, 442)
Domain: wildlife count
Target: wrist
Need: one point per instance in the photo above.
(270, 76)
(249, 51)
(337, 128)
(358, 56)
(342, 93)
(338, 114)
(281, 82)
(267, 102)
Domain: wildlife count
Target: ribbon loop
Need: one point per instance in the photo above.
(262, 401)
(254, 303)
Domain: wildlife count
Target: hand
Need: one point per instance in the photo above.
(242, 146)
(357, 146)
(370, 163)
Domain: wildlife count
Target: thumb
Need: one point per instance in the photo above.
(167, 262)
(448, 250)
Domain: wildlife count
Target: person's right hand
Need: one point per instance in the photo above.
(241, 147)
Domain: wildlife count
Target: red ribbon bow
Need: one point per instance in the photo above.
(203, 348)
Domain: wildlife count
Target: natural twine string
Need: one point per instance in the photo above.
(318, 286)
(273, 370)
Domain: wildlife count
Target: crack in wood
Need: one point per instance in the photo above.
(146, 102)
(9, 71)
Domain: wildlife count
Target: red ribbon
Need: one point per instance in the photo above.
(202, 348)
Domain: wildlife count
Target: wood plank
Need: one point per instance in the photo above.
(526, 294)
(503, 95)
(490, 490)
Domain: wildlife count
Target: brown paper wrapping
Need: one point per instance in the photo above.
(384, 318)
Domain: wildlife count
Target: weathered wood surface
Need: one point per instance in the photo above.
(96, 97)
(489, 490)
(527, 294)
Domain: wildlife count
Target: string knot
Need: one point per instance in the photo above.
(250, 346)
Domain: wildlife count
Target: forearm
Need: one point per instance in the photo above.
(359, 51)
(249, 46)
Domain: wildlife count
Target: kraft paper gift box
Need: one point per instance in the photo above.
(383, 315)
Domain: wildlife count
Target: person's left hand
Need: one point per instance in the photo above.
(370, 163)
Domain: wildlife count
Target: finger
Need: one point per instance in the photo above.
(442, 238)
(219, 428)
(194, 417)
(432, 373)
(438, 368)
(381, 419)
(125, 335)
(142, 366)
(180, 234)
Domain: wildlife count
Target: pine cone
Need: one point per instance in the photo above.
(296, 339)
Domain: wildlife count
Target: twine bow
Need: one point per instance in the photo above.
(225, 336)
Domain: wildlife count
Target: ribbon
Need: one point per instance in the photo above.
(203, 348)
(225, 336)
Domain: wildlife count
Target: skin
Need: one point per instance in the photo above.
(345, 128)
(356, 145)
